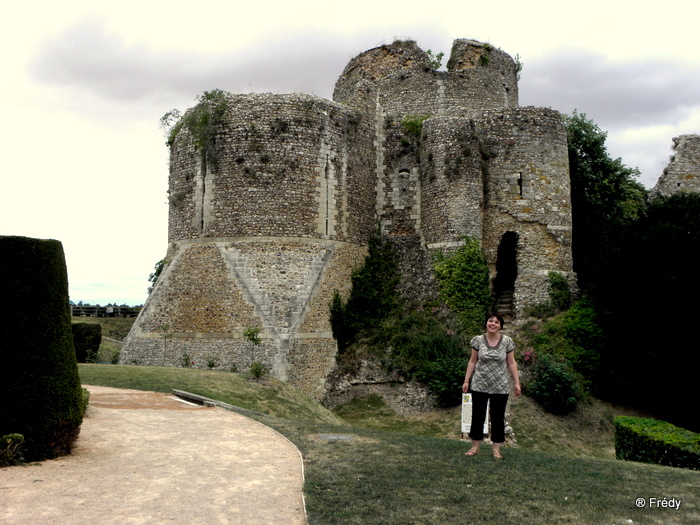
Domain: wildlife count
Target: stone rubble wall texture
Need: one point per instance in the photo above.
(683, 171)
(263, 234)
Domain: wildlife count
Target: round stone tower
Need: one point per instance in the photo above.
(271, 204)
(476, 164)
(479, 76)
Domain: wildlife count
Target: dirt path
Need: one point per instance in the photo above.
(145, 457)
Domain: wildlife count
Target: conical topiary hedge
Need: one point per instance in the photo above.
(40, 393)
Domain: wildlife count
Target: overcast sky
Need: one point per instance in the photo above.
(85, 83)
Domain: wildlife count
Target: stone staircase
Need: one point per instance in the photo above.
(504, 305)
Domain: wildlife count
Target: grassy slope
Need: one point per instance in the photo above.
(392, 475)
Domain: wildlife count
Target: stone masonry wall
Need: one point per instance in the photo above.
(528, 192)
(479, 77)
(286, 165)
(683, 171)
(274, 218)
(452, 181)
(211, 292)
(261, 236)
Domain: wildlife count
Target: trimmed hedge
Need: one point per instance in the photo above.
(40, 396)
(86, 339)
(653, 441)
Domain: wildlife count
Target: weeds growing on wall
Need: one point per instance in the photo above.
(202, 122)
(485, 57)
(435, 59)
(413, 124)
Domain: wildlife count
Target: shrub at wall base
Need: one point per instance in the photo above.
(40, 397)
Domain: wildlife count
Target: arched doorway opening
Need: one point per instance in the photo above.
(506, 273)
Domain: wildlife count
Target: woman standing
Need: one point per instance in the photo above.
(487, 380)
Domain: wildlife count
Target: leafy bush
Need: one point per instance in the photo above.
(653, 441)
(258, 370)
(585, 339)
(87, 338)
(559, 291)
(437, 360)
(574, 336)
(464, 283)
(84, 400)
(11, 450)
(554, 385)
(40, 396)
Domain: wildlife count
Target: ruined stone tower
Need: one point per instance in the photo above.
(683, 171)
(276, 216)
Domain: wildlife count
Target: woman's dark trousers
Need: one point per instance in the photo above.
(497, 412)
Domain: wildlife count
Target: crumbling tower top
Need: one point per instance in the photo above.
(478, 77)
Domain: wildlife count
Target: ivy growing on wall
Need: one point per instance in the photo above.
(373, 295)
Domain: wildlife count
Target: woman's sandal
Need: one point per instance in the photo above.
(472, 452)
(497, 455)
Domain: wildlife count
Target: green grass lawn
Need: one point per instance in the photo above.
(401, 474)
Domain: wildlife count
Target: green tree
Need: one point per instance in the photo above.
(606, 199)
(157, 270)
(373, 295)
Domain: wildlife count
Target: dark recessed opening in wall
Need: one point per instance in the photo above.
(506, 272)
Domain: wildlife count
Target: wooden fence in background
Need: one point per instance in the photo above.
(104, 311)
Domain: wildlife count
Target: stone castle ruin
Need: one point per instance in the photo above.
(683, 171)
(266, 225)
